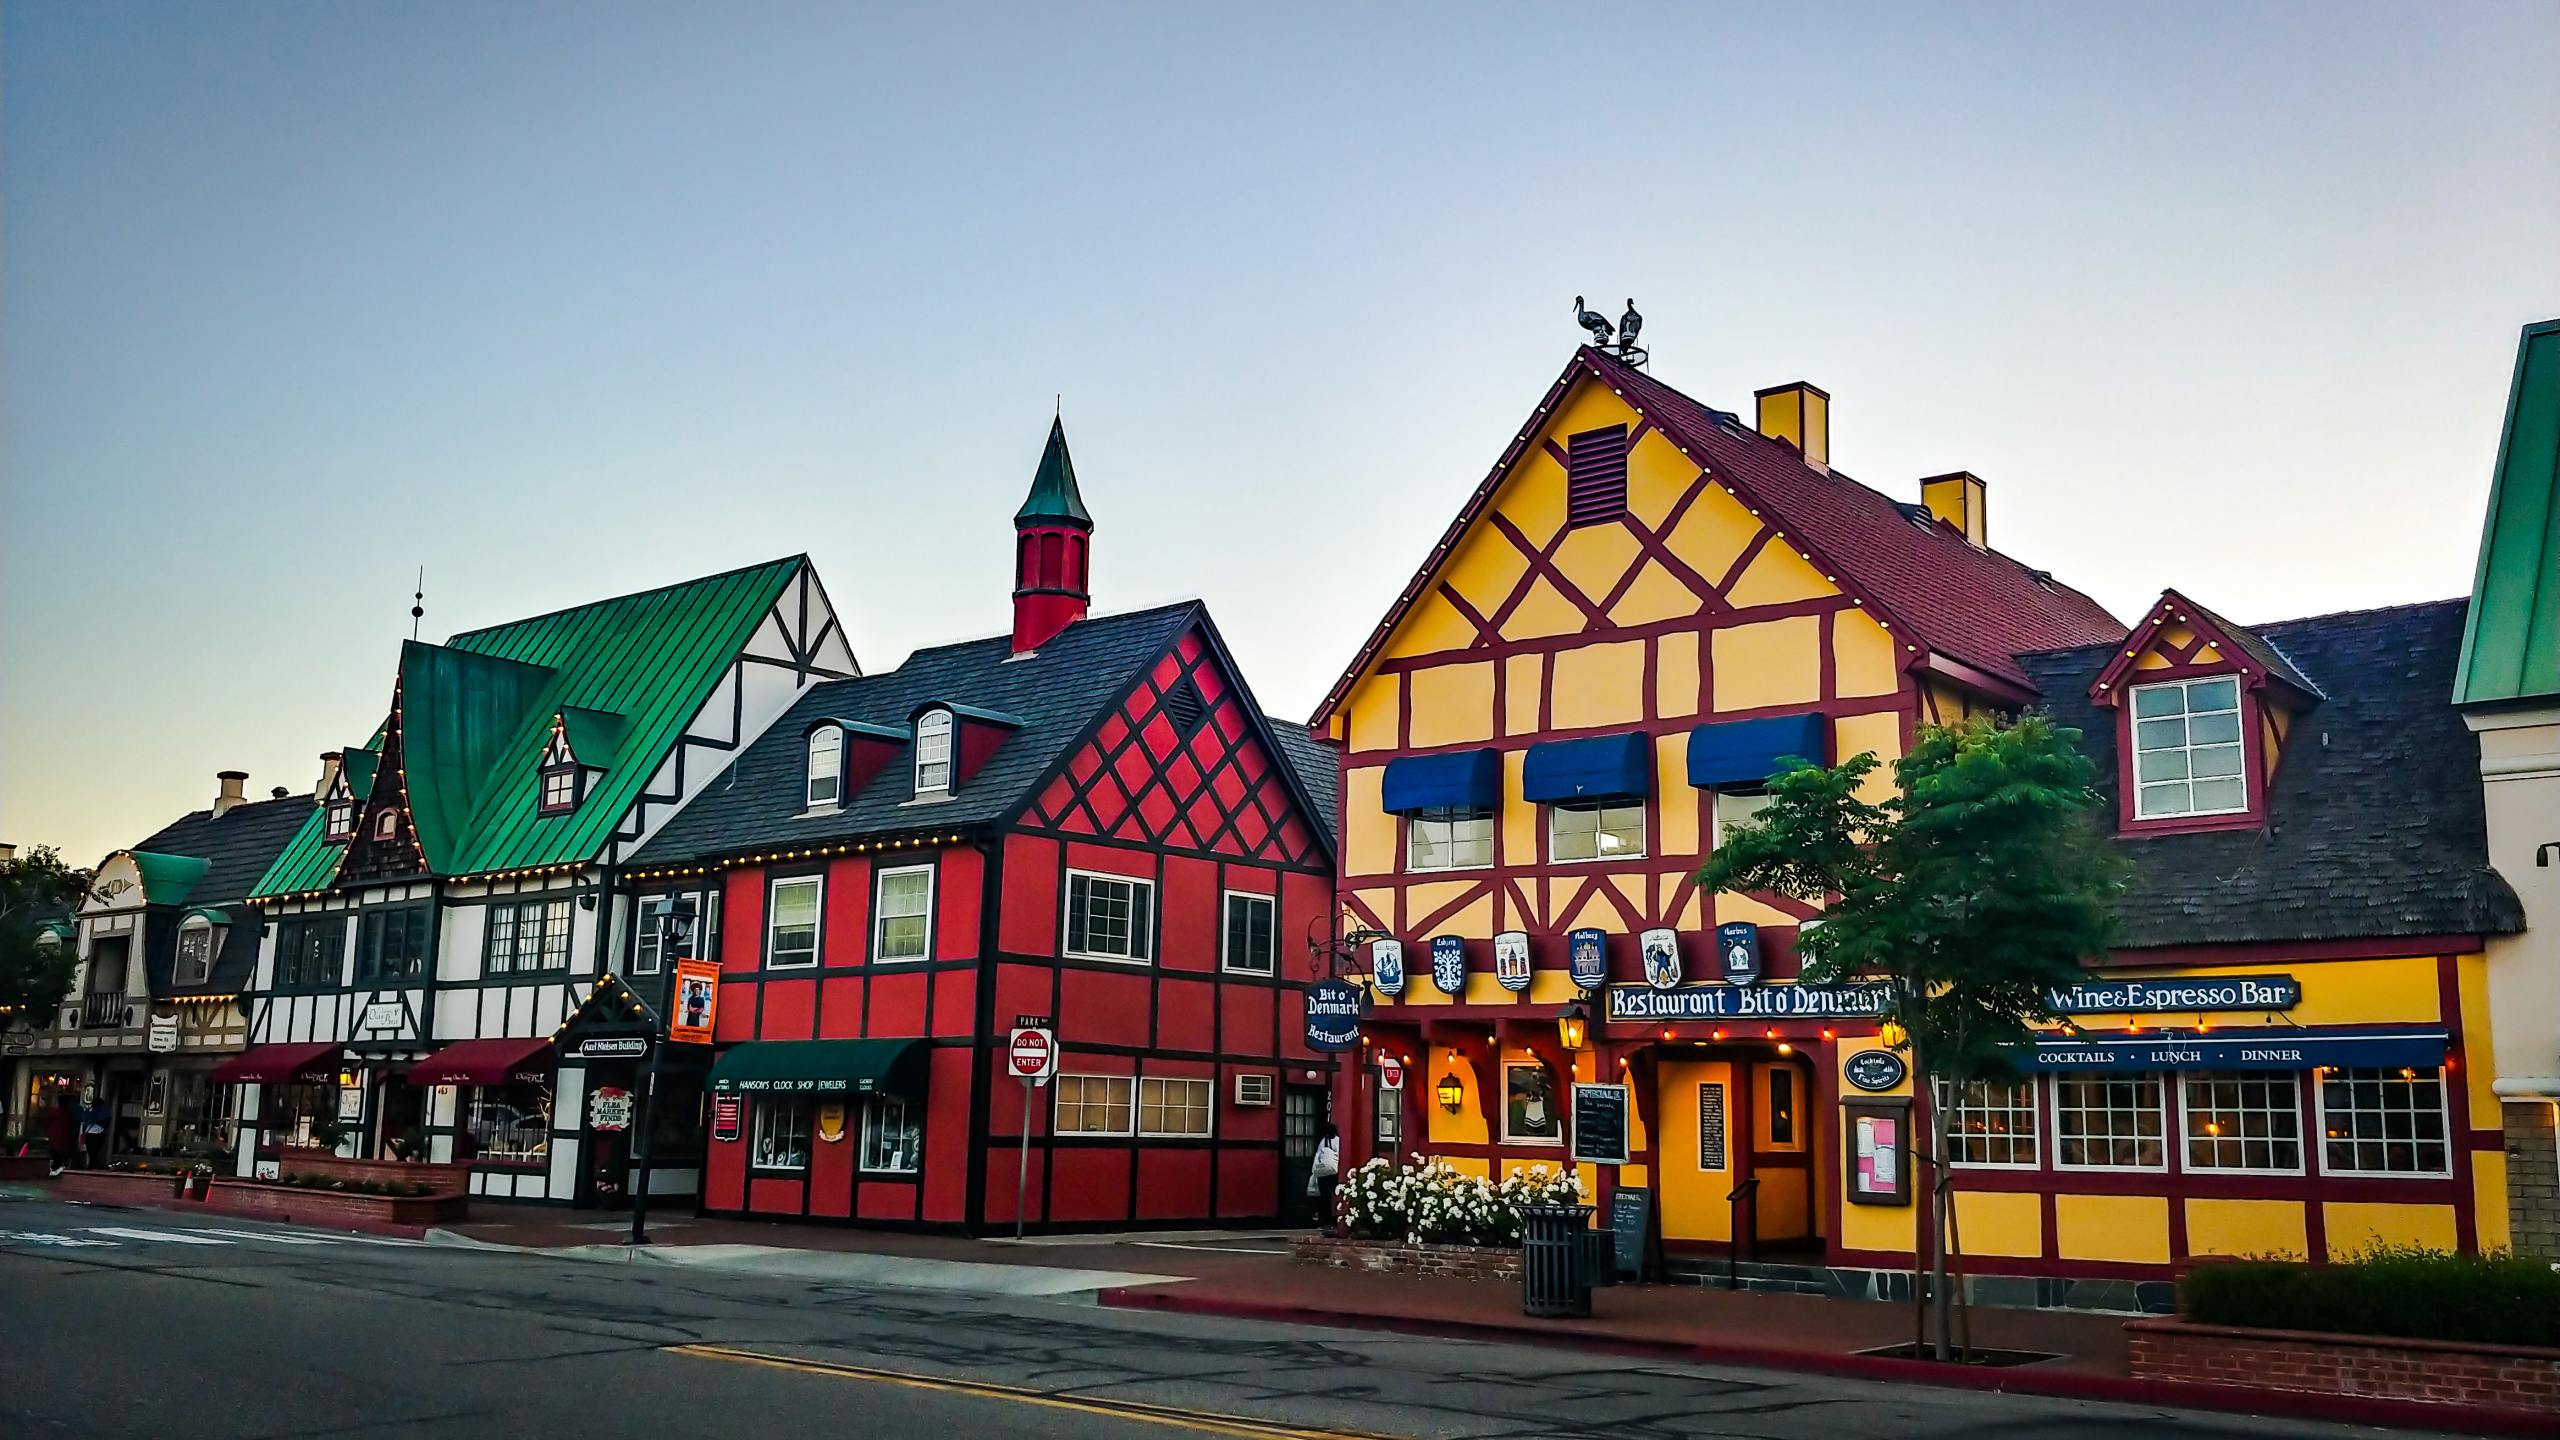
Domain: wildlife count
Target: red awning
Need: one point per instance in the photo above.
(485, 1062)
(279, 1064)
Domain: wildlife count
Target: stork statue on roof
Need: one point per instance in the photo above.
(1593, 321)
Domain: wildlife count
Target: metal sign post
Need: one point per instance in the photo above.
(1032, 1055)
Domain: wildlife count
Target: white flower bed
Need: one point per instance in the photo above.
(1431, 1202)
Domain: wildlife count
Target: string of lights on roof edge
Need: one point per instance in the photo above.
(669, 872)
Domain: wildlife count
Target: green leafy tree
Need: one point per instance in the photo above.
(1976, 889)
(36, 889)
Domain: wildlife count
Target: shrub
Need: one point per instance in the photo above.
(2406, 1291)
(1431, 1202)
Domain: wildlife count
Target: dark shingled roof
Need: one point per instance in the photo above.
(2259, 649)
(1319, 769)
(237, 847)
(2374, 819)
(1059, 692)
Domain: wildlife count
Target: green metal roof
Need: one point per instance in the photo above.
(1053, 490)
(359, 763)
(592, 732)
(2511, 642)
(476, 712)
(166, 879)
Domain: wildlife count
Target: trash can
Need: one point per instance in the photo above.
(1604, 1256)
(1555, 1260)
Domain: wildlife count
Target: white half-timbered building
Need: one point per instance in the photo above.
(453, 900)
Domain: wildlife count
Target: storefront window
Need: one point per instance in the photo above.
(2382, 1122)
(1096, 1104)
(199, 1111)
(1530, 1114)
(892, 1135)
(292, 1110)
(782, 1135)
(2109, 1122)
(1174, 1108)
(510, 1122)
(1991, 1123)
(2243, 1121)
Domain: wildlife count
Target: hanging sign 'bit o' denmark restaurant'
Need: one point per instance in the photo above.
(1650, 605)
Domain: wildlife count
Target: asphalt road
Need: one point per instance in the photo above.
(117, 1323)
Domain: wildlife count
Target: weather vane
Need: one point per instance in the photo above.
(418, 603)
(1618, 340)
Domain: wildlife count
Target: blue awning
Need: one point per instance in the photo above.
(1468, 780)
(2261, 1050)
(1748, 752)
(1604, 767)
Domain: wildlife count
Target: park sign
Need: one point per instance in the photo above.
(1333, 1016)
(1031, 1052)
(1750, 1002)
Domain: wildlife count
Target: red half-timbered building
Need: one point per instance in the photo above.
(1084, 820)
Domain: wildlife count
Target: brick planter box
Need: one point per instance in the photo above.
(1385, 1257)
(386, 1214)
(2498, 1377)
(24, 1167)
(444, 1179)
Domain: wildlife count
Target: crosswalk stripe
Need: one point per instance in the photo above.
(272, 1237)
(173, 1237)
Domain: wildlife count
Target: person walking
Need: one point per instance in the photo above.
(62, 1129)
(1325, 1176)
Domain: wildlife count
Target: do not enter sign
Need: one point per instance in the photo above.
(1032, 1055)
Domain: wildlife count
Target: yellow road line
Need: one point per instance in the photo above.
(1202, 1421)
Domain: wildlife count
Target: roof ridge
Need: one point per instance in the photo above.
(1152, 610)
(2463, 600)
(459, 635)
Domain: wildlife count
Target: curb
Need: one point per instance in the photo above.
(177, 1207)
(2058, 1384)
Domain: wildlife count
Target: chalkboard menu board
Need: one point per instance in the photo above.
(1711, 1126)
(1631, 1227)
(1600, 1124)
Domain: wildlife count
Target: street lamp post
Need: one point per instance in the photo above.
(673, 915)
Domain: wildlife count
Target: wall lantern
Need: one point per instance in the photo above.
(1573, 1024)
(1449, 1092)
(346, 1079)
(1891, 1035)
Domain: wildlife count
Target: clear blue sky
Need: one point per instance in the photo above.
(569, 299)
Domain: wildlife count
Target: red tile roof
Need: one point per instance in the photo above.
(1978, 607)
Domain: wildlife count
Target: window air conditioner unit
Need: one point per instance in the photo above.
(1253, 1089)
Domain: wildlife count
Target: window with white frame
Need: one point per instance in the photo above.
(1448, 839)
(933, 753)
(2383, 1122)
(791, 923)
(1249, 949)
(341, 821)
(2187, 756)
(892, 1135)
(1990, 1123)
(532, 935)
(781, 1139)
(1612, 831)
(902, 914)
(826, 766)
(509, 1122)
(195, 952)
(1110, 917)
(649, 936)
(2110, 1122)
(1175, 1109)
(1737, 807)
(1095, 1104)
(2246, 1120)
(559, 789)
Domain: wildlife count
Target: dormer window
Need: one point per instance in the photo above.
(2187, 753)
(826, 767)
(195, 951)
(340, 824)
(933, 753)
(562, 778)
(386, 826)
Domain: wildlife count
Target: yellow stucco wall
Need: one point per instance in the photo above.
(2356, 1226)
(2131, 1228)
(2000, 1222)
(1452, 704)
(2272, 1228)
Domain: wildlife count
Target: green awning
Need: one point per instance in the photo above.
(821, 1067)
(207, 914)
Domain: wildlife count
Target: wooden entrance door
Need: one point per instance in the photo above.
(1783, 1149)
(1302, 1116)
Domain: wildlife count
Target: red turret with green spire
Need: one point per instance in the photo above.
(1053, 539)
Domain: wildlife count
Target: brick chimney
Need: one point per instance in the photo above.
(234, 792)
(1053, 550)
(1959, 499)
(1800, 414)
